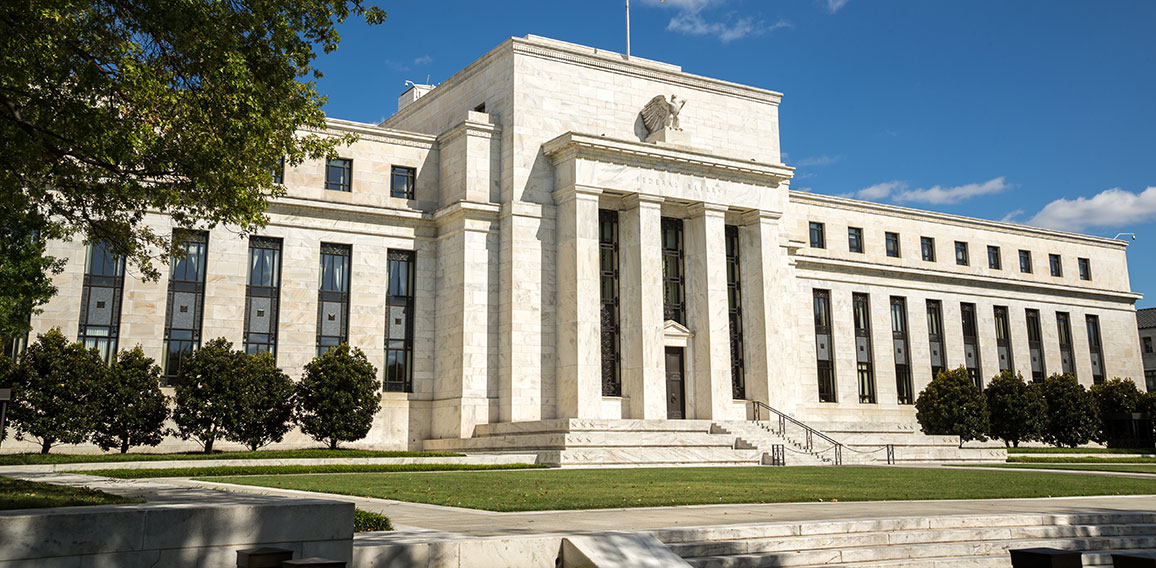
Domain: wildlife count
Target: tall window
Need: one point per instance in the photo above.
(1056, 265)
(608, 279)
(961, 253)
(994, 261)
(1003, 341)
(1026, 261)
(186, 298)
(333, 297)
(399, 322)
(903, 386)
(971, 344)
(263, 295)
(818, 236)
(401, 182)
(927, 246)
(278, 171)
(1085, 267)
(1095, 347)
(673, 275)
(1035, 344)
(14, 346)
(1064, 332)
(339, 174)
(891, 240)
(735, 313)
(1147, 344)
(825, 352)
(935, 336)
(855, 239)
(100, 302)
(863, 353)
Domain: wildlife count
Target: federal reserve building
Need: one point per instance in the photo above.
(599, 259)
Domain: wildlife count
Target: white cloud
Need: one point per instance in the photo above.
(689, 20)
(835, 5)
(819, 161)
(423, 60)
(1109, 208)
(943, 195)
(879, 190)
(1011, 217)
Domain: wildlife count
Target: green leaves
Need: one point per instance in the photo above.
(131, 410)
(1018, 411)
(952, 405)
(53, 398)
(338, 396)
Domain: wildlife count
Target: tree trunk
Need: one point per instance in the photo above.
(124, 446)
(333, 443)
(209, 446)
(47, 445)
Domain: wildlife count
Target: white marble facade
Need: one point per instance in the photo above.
(516, 154)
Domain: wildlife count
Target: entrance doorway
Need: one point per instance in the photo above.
(675, 386)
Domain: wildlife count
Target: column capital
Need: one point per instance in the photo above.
(760, 215)
(702, 209)
(576, 191)
(633, 200)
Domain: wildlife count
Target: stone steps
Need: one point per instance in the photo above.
(757, 436)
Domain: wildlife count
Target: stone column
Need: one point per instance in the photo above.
(706, 299)
(767, 319)
(640, 298)
(579, 357)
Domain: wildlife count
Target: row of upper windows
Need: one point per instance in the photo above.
(855, 244)
(339, 177)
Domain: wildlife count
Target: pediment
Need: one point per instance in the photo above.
(671, 328)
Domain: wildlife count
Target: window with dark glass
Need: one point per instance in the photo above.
(1064, 333)
(401, 182)
(892, 242)
(399, 321)
(818, 236)
(1056, 265)
(15, 345)
(1095, 347)
(100, 301)
(903, 387)
(735, 313)
(673, 273)
(855, 239)
(608, 283)
(971, 344)
(961, 253)
(994, 261)
(1003, 342)
(1026, 261)
(1036, 344)
(861, 308)
(1147, 344)
(263, 295)
(339, 174)
(1085, 267)
(186, 300)
(825, 352)
(333, 297)
(935, 336)
(927, 244)
(278, 171)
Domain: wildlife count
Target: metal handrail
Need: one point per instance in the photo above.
(811, 433)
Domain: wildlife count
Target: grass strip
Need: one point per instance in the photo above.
(37, 459)
(20, 494)
(1074, 459)
(1080, 451)
(538, 490)
(221, 470)
(1126, 468)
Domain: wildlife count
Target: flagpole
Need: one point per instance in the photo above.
(628, 29)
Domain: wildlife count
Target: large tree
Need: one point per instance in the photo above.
(113, 108)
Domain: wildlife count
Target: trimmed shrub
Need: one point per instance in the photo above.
(1072, 418)
(952, 405)
(1117, 396)
(131, 410)
(262, 411)
(338, 396)
(1017, 411)
(52, 394)
(366, 521)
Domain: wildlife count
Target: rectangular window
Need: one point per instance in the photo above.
(673, 272)
(825, 352)
(100, 301)
(399, 321)
(935, 336)
(1095, 348)
(892, 242)
(903, 387)
(1056, 265)
(735, 313)
(994, 261)
(401, 182)
(263, 295)
(855, 239)
(339, 174)
(818, 236)
(961, 253)
(971, 360)
(1035, 344)
(1064, 331)
(608, 283)
(861, 308)
(1147, 344)
(186, 300)
(927, 244)
(333, 297)
(1085, 267)
(278, 171)
(1026, 261)
(1003, 342)
(14, 346)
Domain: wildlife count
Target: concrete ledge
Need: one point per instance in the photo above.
(480, 459)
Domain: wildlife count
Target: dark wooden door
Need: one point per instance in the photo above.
(675, 407)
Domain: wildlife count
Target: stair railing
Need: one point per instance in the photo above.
(810, 433)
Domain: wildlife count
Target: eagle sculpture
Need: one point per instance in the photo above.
(659, 114)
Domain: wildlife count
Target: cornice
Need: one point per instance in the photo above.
(376, 133)
(469, 210)
(471, 128)
(296, 205)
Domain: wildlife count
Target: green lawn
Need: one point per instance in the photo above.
(19, 494)
(1075, 459)
(34, 459)
(1079, 451)
(543, 490)
(1103, 466)
(295, 469)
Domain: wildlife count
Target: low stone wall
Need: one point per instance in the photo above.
(480, 459)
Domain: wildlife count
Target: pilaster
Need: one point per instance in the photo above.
(640, 296)
(769, 324)
(579, 358)
(707, 311)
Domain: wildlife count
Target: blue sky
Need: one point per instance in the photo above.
(1039, 112)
